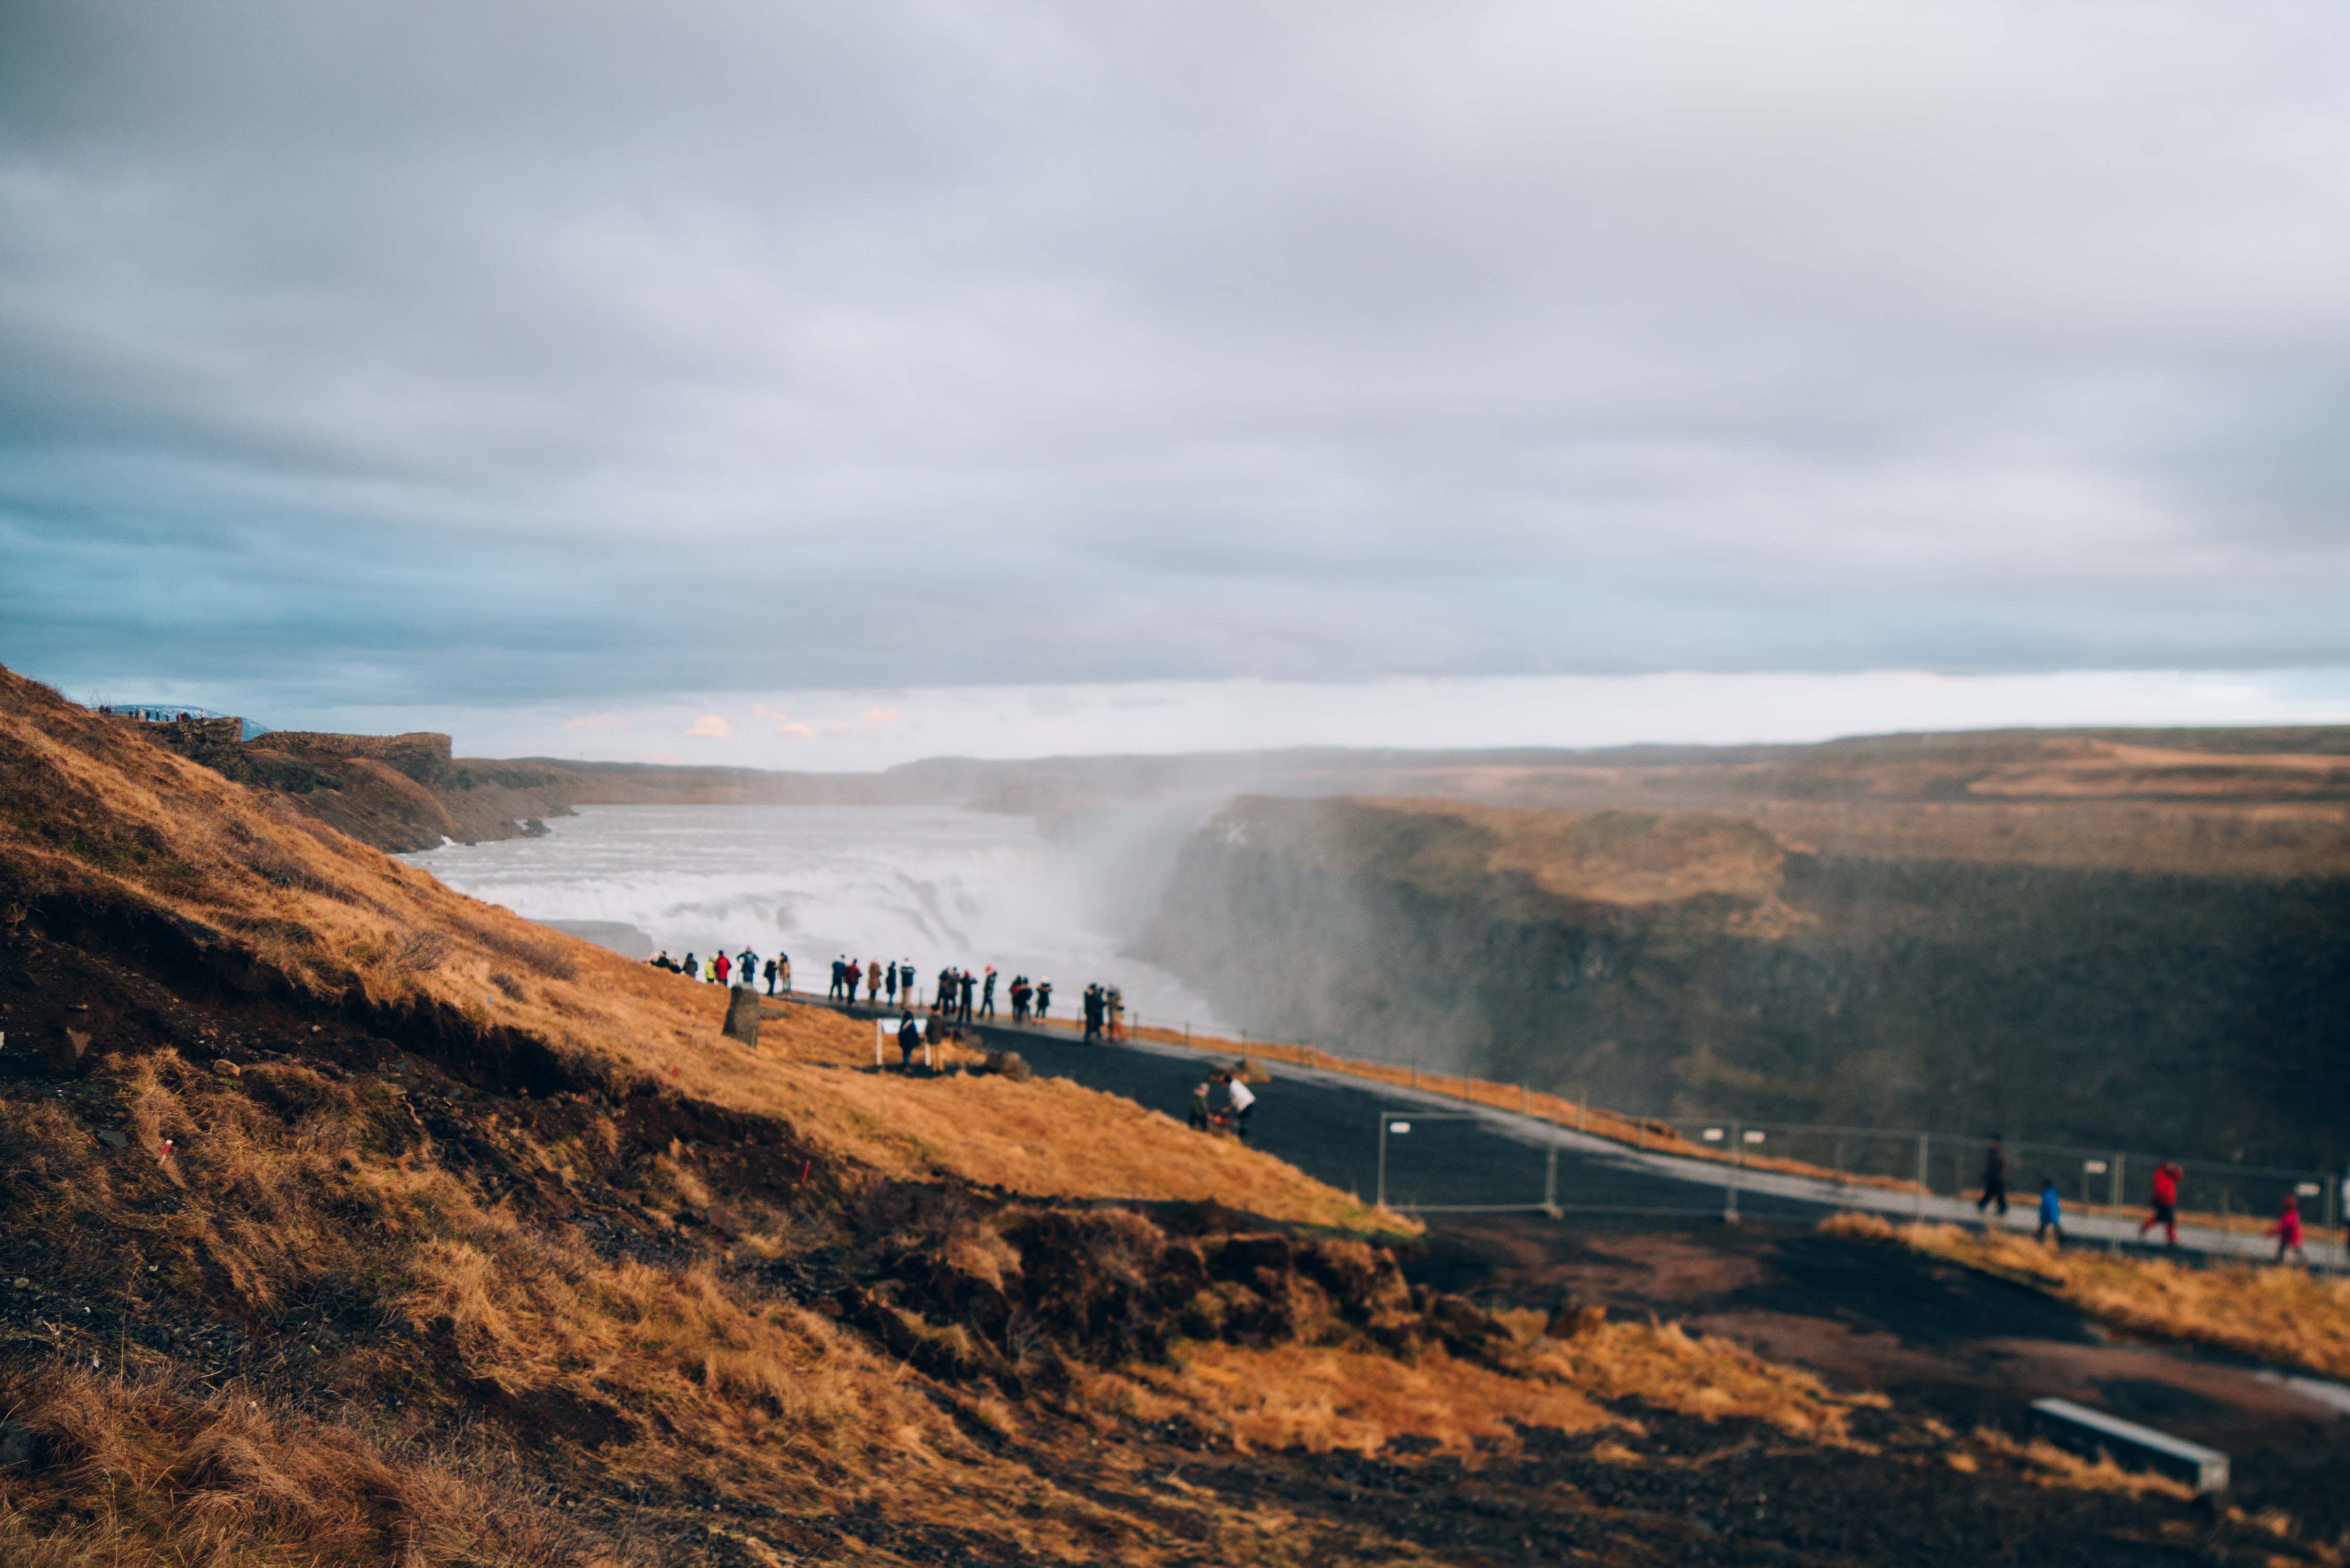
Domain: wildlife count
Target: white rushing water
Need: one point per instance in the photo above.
(935, 885)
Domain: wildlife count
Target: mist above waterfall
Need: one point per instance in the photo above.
(932, 885)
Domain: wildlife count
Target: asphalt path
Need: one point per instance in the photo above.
(1452, 1158)
(1458, 1158)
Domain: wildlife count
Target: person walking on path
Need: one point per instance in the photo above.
(2166, 1203)
(1995, 1177)
(943, 999)
(889, 981)
(1043, 999)
(987, 994)
(1114, 1010)
(783, 971)
(768, 974)
(1093, 1012)
(2052, 1215)
(967, 985)
(2287, 1229)
(910, 1040)
(1241, 1100)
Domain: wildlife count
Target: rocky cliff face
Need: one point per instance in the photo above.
(1688, 963)
(398, 793)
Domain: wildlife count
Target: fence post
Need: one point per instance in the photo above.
(1550, 1180)
(2114, 1192)
(1381, 1202)
(1923, 1179)
(1730, 1176)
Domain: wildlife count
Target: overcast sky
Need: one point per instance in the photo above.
(614, 367)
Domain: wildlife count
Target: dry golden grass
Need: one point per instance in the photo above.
(1322, 1398)
(1708, 1377)
(2287, 1316)
(84, 801)
(2051, 1465)
(147, 1473)
(666, 1370)
(1619, 856)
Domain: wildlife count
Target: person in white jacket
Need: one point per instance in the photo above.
(1242, 1100)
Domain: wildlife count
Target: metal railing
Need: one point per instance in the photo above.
(1887, 1164)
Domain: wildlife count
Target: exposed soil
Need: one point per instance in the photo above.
(1970, 1350)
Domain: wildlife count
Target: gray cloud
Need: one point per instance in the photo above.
(435, 352)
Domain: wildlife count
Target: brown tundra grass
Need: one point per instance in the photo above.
(2288, 1317)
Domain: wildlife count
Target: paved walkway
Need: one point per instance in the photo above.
(1460, 1156)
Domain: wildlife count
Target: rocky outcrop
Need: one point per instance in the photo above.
(2201, 1015)
(398, 793)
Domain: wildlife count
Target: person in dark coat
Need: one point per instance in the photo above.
(968, 984)
(910, 1040)
(1995, 1177)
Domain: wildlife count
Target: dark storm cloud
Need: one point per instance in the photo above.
(433, 351)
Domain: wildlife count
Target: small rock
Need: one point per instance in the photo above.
(226, 1068)
(1573, 1320)
(112, 1138)
(21, 1283)
(66, 1054)
(21, 1447)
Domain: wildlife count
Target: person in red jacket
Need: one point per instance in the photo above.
(2287, 1230)
(2166, 1202)
(719, 966)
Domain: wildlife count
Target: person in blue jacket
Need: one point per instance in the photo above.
(2050, 1213)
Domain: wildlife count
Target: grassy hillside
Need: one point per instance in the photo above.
(344, 1221)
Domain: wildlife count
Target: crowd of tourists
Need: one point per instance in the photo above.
(955, 993)
(746, 969)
